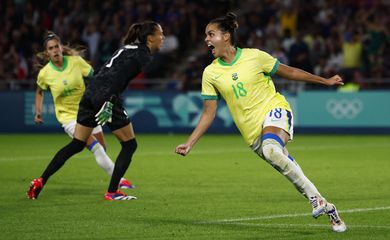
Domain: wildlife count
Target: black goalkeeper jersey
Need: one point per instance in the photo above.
(115, 75)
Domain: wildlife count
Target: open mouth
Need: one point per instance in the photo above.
(211, 47)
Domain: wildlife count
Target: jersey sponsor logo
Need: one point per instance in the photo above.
(344, 108)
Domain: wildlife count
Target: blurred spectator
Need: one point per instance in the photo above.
(325, 19)
(243, 30)
(273, 33)
(91, 36)
(271, 25)
(192, 75)
(280, 54)
(299, 54)
(61, 23)
(320, 68)
(20, 67)
(107, 47)
(377, 40)
(171, 43)
(256, 40)
(334, 61)
(287, 40)
(289, 18)
(352, 56)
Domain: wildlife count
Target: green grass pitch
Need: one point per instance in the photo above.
(221, 190)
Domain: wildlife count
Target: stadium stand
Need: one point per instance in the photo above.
(349, 37)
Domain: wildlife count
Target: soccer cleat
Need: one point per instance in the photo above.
(337, 223)
(319, 206)
(36, 186)
(118, 195)
(124, 183)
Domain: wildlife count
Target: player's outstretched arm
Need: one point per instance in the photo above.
(297, 74)
(208, 115)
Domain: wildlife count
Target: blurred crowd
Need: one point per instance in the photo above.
(349, 37)
(325, 37)
(98, 26)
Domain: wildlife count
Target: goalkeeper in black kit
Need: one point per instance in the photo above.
(102, 103)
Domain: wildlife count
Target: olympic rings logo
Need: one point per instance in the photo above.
(344, 108)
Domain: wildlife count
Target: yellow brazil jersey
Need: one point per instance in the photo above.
(247, 88)
(66, 85)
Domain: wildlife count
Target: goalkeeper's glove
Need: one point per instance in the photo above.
(105, 113)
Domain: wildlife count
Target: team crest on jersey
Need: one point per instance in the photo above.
(234, 76)
(67, 91)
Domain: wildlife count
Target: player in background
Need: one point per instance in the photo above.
(64, 76)
(243, 78)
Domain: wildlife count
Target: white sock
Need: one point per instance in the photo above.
(301, 182)
(309, 190)
(275, 155)
(101, 157)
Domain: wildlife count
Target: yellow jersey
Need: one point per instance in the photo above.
(66, 85)
(247, 88)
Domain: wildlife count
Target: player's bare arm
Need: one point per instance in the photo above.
(208, 115)
(297, 74)
(38, 106)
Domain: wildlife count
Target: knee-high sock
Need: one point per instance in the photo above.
(101, 157)
(311, 188)
(273, 153)
(75, 146)
(122, 163)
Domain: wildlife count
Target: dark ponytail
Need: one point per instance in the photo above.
(228, 23)
(139, 32)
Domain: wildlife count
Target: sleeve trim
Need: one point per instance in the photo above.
(90, 73)
(275, 68)
(210, 97)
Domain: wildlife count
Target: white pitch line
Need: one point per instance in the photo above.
(137, 154)
(140, 153)
(291, 215)
(198, 151)
(285, 225)
(259, 218)
(48, 158)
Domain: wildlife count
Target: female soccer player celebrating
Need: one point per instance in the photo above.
(102, 103)
(263, 116)
(63, 75)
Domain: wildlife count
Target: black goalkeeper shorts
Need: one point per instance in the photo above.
(88, 109)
